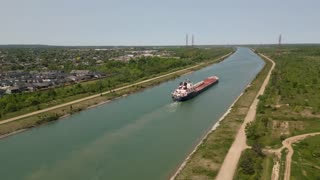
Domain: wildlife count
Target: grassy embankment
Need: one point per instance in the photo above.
(208, 158)
(55, 114)
(291, 103)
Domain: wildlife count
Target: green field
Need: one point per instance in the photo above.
(306, 159)
(291, 103)
(290, 106)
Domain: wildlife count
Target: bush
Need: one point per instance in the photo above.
(48, 118)
(250, 164)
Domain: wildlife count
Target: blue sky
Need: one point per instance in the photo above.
(160, 22)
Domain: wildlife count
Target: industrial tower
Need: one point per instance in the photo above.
(187, 40)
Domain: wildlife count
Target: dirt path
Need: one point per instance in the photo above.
(230, 162)
(97, 95)
(287, 144)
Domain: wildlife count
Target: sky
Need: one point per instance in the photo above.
(158, 22)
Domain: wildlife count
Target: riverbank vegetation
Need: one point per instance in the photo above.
(66, 94)
(206, 161)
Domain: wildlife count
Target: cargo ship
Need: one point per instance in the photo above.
(187, 90)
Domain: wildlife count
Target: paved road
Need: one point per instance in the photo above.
(97, 95)
(230, 162)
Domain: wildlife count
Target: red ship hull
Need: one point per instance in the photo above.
(199, 87)
(206, 83)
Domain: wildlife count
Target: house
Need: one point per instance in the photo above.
(80, 72)
(147, 55)
(31, 87)
(58, 82)
(5, 83)
(72, 78)
(98, 75)
(99, 62)
(43, 85)
(13, 90)
(2, 92)
(78, 78)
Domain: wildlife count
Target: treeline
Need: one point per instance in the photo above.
(53, 58)
(122, 73)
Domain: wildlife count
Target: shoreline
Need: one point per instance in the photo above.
(230, 163)
(127, 87)
(214, 127)
(13, 133)
(60, 118)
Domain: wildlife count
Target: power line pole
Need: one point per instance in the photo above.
(187, 40)
(192, 41)
(279, 44)
(280, 39)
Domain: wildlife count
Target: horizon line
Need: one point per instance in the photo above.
(240, 44)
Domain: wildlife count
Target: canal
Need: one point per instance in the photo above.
(141, 136)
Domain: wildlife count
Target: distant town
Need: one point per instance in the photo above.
(35, 69)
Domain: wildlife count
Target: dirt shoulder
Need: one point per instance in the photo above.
(230, 163)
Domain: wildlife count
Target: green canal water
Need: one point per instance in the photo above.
(142, 136)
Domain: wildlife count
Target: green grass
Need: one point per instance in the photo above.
(306, 159)
(208, 158)
(267, 166)
(282, 169)
(291, 103)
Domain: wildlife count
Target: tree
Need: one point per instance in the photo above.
(11, 107)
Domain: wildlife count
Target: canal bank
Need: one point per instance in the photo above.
(206, 159)
(129, 138)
